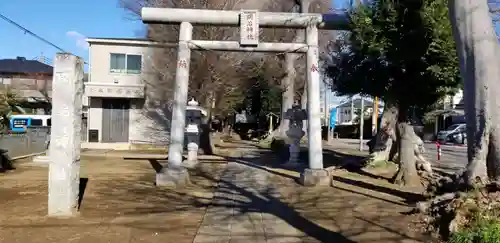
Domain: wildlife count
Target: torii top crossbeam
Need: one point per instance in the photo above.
(329, 21)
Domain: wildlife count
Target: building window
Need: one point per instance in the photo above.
(36, 122)
(123, 63)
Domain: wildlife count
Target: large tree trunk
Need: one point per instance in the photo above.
(288, 82)
(478, 52)
(303, 100)
(384, 145)
(407, 173)
(288, 95)
(383, 142)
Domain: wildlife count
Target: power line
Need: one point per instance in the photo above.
(43, 59)
(31, 33)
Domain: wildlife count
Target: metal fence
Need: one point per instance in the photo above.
(19, 144)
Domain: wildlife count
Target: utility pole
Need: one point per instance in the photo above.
(327, 114)
(361, 123)
(375, 116)
(352, 109)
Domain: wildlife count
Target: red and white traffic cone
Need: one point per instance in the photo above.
(438, 147)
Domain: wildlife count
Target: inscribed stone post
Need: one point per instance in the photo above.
(64, 150)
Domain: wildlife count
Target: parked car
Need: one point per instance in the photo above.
(455, 133)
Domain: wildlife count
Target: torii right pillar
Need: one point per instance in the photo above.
(315, 175)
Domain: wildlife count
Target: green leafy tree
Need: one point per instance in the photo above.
(403, 52)
(7, 101)
(262, 93)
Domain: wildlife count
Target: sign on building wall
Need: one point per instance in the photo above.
(118, 92)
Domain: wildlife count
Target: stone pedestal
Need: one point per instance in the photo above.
(294, 150)
(315, 177)
(296, 115)
(192, 152)
(192, 156)
(41, 159)
(172, 177)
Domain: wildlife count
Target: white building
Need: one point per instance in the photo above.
(117, 112)
(328, 100)
(348, 111)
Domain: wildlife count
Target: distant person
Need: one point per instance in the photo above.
(216, 124)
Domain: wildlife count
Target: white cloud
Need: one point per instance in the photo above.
(79, 38)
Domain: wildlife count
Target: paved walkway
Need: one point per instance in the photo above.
(244, 209)
(259, 205)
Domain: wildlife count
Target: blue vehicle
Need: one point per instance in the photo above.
(19, 123)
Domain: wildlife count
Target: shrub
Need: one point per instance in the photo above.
(480, 231)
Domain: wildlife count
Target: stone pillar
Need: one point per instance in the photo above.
(315, 175)
(64, 167)
(44, 159)
(174, 174)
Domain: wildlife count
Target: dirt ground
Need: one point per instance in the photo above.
(122, 204)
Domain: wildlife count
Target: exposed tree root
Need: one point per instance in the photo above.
(454, 209)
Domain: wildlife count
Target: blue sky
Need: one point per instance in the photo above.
(62, 22)
(66, 24)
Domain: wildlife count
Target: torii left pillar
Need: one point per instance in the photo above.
(174, 174)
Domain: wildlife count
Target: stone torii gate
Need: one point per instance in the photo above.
(249, 22)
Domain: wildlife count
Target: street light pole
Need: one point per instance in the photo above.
(361, 123)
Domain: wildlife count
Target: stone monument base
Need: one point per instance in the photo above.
(291, 164)
(315, 177)
(41, 159)
(190, 164)
(172, 177)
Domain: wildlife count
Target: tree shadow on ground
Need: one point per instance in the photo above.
(337, 160)
(132, 201)
(229, 196)
(331, 158)
(133, 196)
(315, 201)
(266, 201)
(81, 190)
(260, 162)
(409, 197)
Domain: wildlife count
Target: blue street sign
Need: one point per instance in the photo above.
(333, 118)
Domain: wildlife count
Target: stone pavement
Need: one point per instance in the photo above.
(245, 209)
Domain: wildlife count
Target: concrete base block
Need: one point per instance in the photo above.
(42, 159)
(315, 177)
(291, 164)
(190, 164)
(172, 177)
